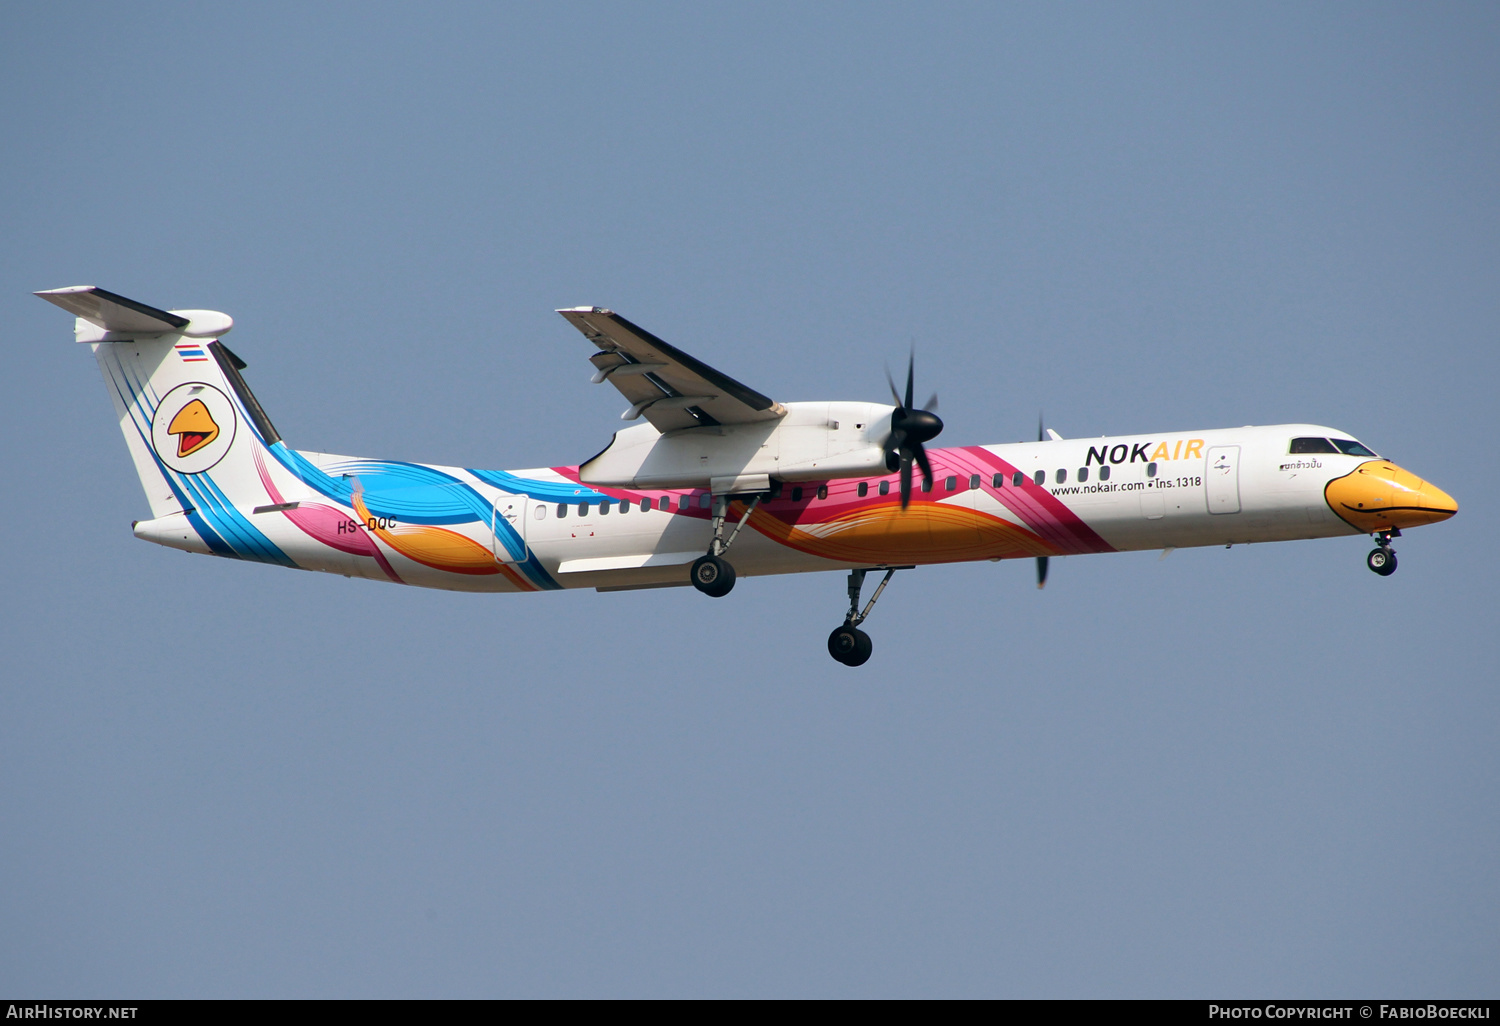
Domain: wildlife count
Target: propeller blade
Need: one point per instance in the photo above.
(1041, 572)
(1041, 436)
(921, 455)
(910, 427)
(894, 442)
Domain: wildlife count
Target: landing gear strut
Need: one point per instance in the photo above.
(848, 644)
(1382, 558)
(713, 574)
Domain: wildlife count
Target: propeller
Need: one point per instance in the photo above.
(1041, 561)
(910, 428)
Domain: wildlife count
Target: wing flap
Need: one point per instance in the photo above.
(633, 562)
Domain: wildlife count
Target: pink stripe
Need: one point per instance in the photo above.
(1038, 508)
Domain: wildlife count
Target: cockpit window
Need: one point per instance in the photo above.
(1301, 445)
(1349, 447)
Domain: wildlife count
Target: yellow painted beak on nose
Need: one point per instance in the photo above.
(1379, 495)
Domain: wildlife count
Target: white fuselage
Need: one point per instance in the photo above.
(547, 529)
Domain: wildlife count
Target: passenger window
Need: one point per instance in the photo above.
(797, 493)
(1349, 447)
(998, 481)
(539, 513)
(704, 500)
(864, 489)
(973, 482)
(583, 509)
(1062, 476)
(624, 505)
(646, 504)
(1310, 445)
(1018, 479)
(926, 484)
(562, 510)
(1151, 469)
(1104, 473)
(604, 507)
(1041, 477)
(822, 491)
(885, 488)
(1083, 474)
(950, 484)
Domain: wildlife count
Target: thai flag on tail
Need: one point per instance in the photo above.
(191, 352)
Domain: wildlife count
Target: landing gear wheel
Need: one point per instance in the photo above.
(850, 645)
(713, 576)
(1382, 560)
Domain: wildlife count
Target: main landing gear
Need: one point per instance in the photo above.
(1382, 558)
(713, 574)
(848, 644)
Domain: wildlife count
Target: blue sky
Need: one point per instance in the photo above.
(1262, 771)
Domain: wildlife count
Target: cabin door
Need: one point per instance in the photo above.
(509, 517)
(1222, 471)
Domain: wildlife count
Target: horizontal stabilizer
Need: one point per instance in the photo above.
(113, 313)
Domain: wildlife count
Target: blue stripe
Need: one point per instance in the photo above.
(203, 508)
(256, 545)
(410, 492)
(546, 491)
(429, 497)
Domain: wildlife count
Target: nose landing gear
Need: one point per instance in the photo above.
(1382, 558)
(848, 644)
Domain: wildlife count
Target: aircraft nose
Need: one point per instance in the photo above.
(1379, 495)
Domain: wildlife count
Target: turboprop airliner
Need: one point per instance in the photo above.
(717, 481)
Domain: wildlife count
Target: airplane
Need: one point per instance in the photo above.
(821, 485)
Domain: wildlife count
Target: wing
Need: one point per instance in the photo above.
(670, 388)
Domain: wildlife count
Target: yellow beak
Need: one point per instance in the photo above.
(194, 427)
(1379, 495)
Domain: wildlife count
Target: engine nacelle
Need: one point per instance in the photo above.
(813, 442)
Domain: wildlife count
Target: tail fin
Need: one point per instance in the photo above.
(191, 423)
